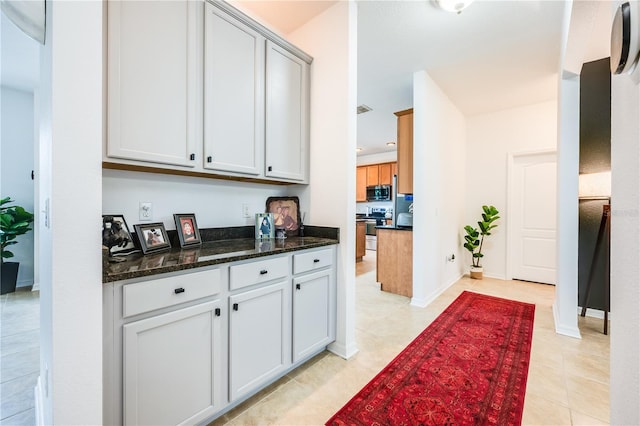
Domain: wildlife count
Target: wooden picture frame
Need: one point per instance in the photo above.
(116, 235)
(187, 229)
(152, 237)
(286, 213)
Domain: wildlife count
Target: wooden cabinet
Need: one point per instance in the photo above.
(201, 88)
(361, 235)
(361, 183)
(394, 261)
(258, 328)
(233, 94)
(286, 120)
(372, 175)
(405, 151)
(171, 366)
(154, 82)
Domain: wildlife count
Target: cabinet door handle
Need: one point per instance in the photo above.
(297, 286)
(263, 272)
(192, 157)
(316, 260)
(217, 311)
(270, 168)
(235, 306)
(178, 290)
(209, 159)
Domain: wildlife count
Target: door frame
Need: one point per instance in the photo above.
(511, 157)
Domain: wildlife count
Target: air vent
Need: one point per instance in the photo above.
(363, 108)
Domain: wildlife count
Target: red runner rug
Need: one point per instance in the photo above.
(469, 367)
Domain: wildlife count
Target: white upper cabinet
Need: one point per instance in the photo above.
(233, 94)
(154, 82)
(286, 114)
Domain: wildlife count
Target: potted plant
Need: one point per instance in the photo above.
(475, 238)
(14, 221)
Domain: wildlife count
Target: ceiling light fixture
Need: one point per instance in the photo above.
(358, 149)
(391, 143)
(455, 6)
(363, 108)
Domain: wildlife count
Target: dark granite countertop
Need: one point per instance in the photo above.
(212, 253)
(393, 227)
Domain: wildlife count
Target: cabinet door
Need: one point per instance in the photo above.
(361, 229)
(405, 152)
(153, 89)
(233, 95)
(287, 134)
(384, 174)
(361, 183)
(172, 366)
(257, 342)
(373, 177)
(313, 326)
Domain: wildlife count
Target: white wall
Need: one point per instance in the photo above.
(439, 136)
(70, 184)
(17, 163)
(216, 203)
(490, 138)
(331, 39)
(625, 250)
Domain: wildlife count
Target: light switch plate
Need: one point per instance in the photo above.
(145, 211)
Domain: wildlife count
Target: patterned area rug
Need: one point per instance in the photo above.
(469, 367)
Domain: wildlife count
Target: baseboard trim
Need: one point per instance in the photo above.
(423, 303)
(39, 400)
(560, 329)
(342, 350)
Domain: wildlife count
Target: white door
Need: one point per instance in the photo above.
(533, 217)
(311, 313)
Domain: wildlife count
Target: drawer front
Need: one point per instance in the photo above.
(155, 294)
(258, 272)
(306, 262)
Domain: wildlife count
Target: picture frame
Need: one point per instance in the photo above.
(265, 230)
(286, 213)
(187, 229)
(116, 235)
(152, 237)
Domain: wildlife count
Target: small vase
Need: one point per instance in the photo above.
(476, 272)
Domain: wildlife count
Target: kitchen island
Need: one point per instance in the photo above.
(395, 259)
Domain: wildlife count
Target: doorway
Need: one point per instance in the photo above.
(531, 243)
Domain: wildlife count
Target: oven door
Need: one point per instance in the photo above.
(371, 227)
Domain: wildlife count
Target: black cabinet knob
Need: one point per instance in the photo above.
(217, 311)
(235, 306)
(209, 159)
(270, 168)
(297, 286)
(263, 272)
(192, 157)
(316, 260)
(178, 290)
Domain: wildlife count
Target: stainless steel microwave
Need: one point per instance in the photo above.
(379, 193)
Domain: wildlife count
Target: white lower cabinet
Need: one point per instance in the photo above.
(171, 366)
(258, 329)
(313, 316)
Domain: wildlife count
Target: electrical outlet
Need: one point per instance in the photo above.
(245, 210)
(145, 211)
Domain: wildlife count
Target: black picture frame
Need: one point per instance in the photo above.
(183, 222)
(116, 235)
(152, 237)
(286, 213)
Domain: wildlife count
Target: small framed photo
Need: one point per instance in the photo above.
(264, 226)
(286, 213)
(152, 236)
(116, 235)
(187, 229)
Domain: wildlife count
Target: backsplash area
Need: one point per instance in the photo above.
(364, 207)
(216, 203)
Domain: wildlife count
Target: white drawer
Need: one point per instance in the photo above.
(306, 262)
(155, 294)
(258, 272)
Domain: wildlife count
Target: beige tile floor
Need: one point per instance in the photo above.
(568, 378)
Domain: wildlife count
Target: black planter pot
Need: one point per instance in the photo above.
(9, 277)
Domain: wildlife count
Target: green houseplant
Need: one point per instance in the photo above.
(475, 238)
(14, 221)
